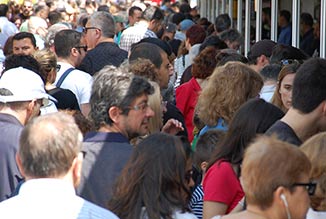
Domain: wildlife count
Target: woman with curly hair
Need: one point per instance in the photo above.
(155, 182)
(228, 88)
(187, 93)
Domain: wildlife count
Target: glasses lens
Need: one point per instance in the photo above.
(311, 188)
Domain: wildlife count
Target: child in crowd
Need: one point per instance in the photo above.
(206, 144)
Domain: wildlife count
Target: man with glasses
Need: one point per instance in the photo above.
(70, 48)
(99, 33)
(120, 112)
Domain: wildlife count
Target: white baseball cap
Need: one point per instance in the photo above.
(24, 84)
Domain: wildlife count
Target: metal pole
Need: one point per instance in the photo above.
(295, 23)
(218, 5)
(322, 29)
(258, 19)
(213, 10)
(239, 16)
(223, 6)
(231, 11)
(247, 27)
(202, 8)
(274, 7)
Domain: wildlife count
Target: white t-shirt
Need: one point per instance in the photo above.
(315, 214)
(79, 82)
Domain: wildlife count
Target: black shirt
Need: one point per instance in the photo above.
(284, 133)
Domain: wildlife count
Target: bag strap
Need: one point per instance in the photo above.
(63, 76)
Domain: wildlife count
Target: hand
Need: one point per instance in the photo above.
(172, 127)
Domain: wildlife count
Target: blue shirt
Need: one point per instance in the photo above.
(285, 36)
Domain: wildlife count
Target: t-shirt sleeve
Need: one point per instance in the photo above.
(220, 184)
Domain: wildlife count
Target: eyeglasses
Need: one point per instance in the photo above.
(290, 61)
(85, 29)
(82, 47)
(140, 107)
(57, 68)
(310, 187)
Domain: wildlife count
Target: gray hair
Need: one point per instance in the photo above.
(231, 35)
(104, 21)
(49, 144)
(115, 87)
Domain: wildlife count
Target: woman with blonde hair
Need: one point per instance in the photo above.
(282, 97)
(228, 88)
(315, 150)
(66, 99)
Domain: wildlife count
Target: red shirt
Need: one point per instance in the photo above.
(222, 185)
(186, 99)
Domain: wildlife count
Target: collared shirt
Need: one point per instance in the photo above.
(7, 29)
(106, 153)
(79, 82)
(150, 33)
(133, 35)
(267, 92)
(50, 198)
(10, 130)
(105, 53)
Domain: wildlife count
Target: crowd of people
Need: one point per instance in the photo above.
(132, 110)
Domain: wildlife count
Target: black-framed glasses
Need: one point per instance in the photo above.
(57, 68)
(310, 187)
(85, 29)
(82, 47)
(140, 107)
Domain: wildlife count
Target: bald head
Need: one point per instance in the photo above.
(48, 146)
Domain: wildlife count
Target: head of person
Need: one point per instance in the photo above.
(54, 17)
(149, 181)
(284, 52)
(284, 18)
(253, 117)
(204, 64)
(119, 100)
(271, 72)
(308, 91)
(157, 56)
(275, 182)
(27, 94)
(315, 149)
(222, 23)
(306, 22)
(154, 16)
(3, 10)
(49, 147)
(42, 11)
(260, 53)
(228, 88)
(205, 146)
(213, 41)
(24, 43)
(145, 68)
(194, 35)
(25, 61)
(100, 25)
(52, 31)
(282, 97)
(134, 15)
(229, 55)
(232, 38)
(27, 8)
(48, 64)
(69, 44)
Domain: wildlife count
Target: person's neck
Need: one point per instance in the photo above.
(105, 40)
(112, 128)
(304, 125)
(69, 61)
(19, 115)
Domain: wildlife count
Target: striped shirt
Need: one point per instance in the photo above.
(196, 202)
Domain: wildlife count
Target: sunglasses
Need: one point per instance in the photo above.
(82, 47)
